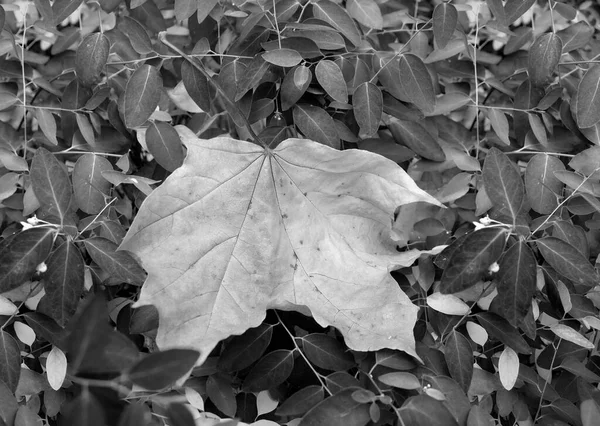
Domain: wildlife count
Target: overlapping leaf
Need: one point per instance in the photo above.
(303, 227)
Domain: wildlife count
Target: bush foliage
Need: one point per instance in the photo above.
(491, 107)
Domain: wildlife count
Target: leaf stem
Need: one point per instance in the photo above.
(163, 39)
(318, 376)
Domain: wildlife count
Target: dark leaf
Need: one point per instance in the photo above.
(503, 184)
(424, 410)
(338, 410)
(165, 145)
(574, 235)
(118, 264)
(220, 392)
(252, 76)
(587, 101)
(337, 17)
(516, 282)
(526, 97)
(110, 352)
(330, 78)
(567, 411)
(301, 401)
(10, 361)
(543, 188)
(21, 254)
(294, 85)
(196, 85)
(568, 261)
(445, 18)
(46, 328)
(459, 357)
(51, 183)
(544, 55)
(85, 409)
(89, 187)
(149, 15)
(61, 9)
(316, 125)
(74, 96)
(471, 261)
(142, 94)
(413, 135)
(143, 319)
(416, 82)
(47, 123)
(8, 403)
(177, 413)
(135, 414)
(272, 370)
(501, 330)
(91, 58)
(340, 380)
(327, 352)
(242, 351)
(161, 369)
(367, 102)
(63, 283)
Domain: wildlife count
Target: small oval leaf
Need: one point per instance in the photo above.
(165, 145)
(445, 17)
(587, 101)
(416, 82)
(283, 57)
(544, 56)
(91, 58)
(142, 95)
(161, 369)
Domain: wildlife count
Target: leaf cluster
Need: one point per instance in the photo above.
(492, 107)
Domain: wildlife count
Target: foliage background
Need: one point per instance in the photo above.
(491, 106)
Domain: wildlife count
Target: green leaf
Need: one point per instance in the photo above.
(61, 9)
(302, 401)
(327, 352)
(283, 57)
(471, 261)
(416, 82)
(185, 8)
(503, 184)
(367, 102)
(137, 35)
(3, 16)
(587, 100)
(294, 85)
(90, 188)
(590, 412)
(118, 264)
(459, 357)
(161, 369)
(575, 36)
(134, 414)
(165, 145)
(74, 96)
(204, 9)
(516, 282)
(143, 320)
(337, 17)
(331, 79)
(149, 15)
(220, 391)
(587, 162)
(21, 254)
(316, 124)
(196, 85)
(45, 327)
(424, 410)
(401, 380)
(527, 96)
(500, 329)
(366, 12)
(10, 361)
(63, 283)
(445, 18)
(338, 410)
(574, 235)
(142, 94)
(252, 76)
(543, 188)
(272, 370)
(8, 403)
(413, 135)
(514, 9)
(242, 351)
(499, 124)
(91, 58)
(47, 123)
(568, 261)
(544, 56)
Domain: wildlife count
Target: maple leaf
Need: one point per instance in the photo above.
(239, 229)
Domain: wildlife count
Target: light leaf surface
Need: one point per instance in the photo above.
(238, 229)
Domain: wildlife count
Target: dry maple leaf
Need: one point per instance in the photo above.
(239, 229)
